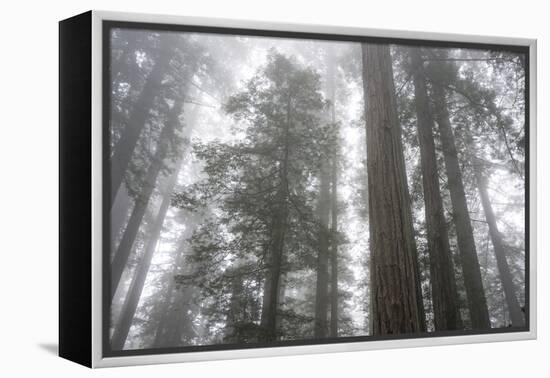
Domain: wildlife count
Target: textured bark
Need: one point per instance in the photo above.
(442, 277)
(396, 302)
(516, 315)
(477, 303)
(136, 286)
(321, 292)
(125, 246)
(122, 154)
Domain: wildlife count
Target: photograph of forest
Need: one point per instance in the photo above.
(269, 190)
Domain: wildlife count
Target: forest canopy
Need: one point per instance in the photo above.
(266, 190)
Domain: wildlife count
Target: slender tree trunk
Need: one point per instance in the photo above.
(442, 276)
(179, 322)
(136, 287)
(321, 292)
(171, 312)
(123, 151)
(334, 294)
(125, 246)
(167, 302)
(237, 307)
(514, 309)
(331, 81)
(234, 315)
(477, 303)
(175, 320)
(119, 217)
(268, 321)
(280, 304)
(396, 300)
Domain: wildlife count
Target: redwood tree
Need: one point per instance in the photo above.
(477, 303)
(396, 303)
(442, 276)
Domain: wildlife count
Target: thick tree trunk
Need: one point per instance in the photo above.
(477, 303)
(125, 246)
(136, 287)
(442, 276)
(396, 300)
(124, 149)
(321, 293)
(514, 309)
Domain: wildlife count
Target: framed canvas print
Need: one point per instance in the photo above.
(237, 189)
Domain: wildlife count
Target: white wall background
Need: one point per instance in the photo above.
(28, 190)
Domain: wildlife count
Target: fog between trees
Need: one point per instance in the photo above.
(266, 189)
